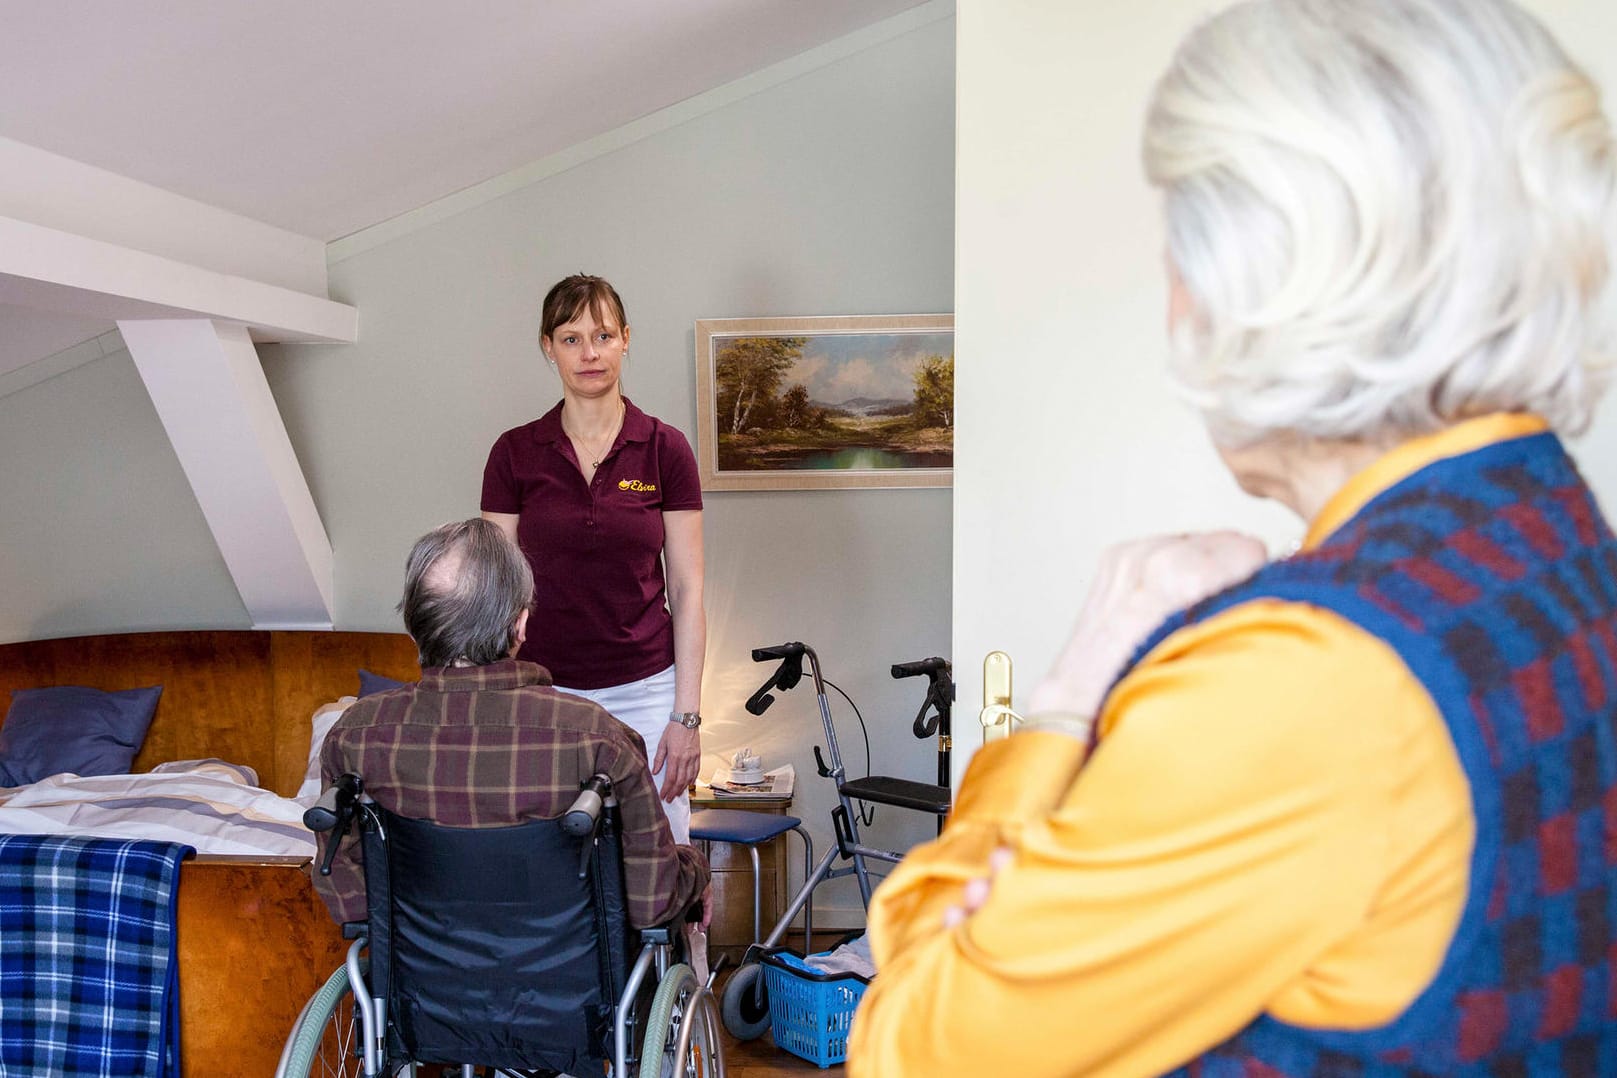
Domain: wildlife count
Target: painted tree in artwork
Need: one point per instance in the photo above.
(934, 392)
(749, 371)
(795, 408)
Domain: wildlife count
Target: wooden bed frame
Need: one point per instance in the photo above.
(254, 940)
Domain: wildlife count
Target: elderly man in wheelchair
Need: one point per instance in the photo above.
(514, 894)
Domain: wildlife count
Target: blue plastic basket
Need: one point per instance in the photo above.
(810, 1013)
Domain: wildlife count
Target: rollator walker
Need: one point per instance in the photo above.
(503, 950)
(745, 1004)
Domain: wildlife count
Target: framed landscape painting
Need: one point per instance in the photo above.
(813, 403)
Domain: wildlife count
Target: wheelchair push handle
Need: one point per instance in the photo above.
(334, 812)
(336, 803)
(584, 816)
(786, 675)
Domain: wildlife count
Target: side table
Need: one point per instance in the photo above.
(731, 930)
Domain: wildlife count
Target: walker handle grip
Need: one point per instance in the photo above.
(786, 675)
(939, 691)
(919, 667)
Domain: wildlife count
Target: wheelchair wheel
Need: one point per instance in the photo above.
(325, 1043)
(745, 1004)
(671, 1010)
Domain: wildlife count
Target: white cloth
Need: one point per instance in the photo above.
(644, 706)
(209, 804)
(325, 717)
(852, 957)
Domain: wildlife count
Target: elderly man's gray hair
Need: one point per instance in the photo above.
(464, 586)
(1389, 215)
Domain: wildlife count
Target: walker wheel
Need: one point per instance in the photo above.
(745, 1003)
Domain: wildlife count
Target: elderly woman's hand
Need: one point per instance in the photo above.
(1137, 584)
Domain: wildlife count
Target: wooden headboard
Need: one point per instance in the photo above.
(243, 696)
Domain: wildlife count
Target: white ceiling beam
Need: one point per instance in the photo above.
(209, 389)
(54, 270)
(51, 190)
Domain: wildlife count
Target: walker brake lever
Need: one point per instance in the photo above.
(819, 763)
(921, 727)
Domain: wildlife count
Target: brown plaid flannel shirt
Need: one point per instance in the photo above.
(488, 746)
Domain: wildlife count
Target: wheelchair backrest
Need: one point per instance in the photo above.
(488, 946)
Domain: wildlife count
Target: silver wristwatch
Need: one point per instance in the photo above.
(688, 719)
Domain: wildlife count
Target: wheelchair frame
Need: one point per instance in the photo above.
(678, 1001)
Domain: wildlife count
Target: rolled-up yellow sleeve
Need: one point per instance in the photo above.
(1227, 852)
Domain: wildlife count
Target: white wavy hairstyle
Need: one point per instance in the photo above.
(1390, 215)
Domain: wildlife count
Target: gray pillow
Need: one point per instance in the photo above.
(73, 728)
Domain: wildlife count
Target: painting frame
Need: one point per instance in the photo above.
(711, 336)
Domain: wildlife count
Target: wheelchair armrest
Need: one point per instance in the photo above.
(671, 930)
(353, 930)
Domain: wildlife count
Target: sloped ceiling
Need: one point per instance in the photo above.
(323, 118)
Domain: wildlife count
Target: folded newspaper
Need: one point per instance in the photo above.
(777, 782)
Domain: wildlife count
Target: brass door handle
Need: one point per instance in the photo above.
(996, 716)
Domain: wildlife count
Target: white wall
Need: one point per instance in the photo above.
(1067, 436)
(101, 533)
(829, 193)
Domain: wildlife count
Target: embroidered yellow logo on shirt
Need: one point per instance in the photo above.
(635, 484)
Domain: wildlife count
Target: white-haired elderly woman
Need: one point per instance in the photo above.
(1353, 811)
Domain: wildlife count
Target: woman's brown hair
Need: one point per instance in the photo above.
(569, 296)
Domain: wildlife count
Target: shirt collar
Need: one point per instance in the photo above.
(505, 674)
(1410, 457)
(636, 425)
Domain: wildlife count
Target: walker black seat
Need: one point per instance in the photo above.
(489, 947)
(881, 790)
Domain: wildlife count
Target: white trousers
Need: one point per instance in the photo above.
(644, 706)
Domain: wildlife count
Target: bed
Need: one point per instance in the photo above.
(254, 940)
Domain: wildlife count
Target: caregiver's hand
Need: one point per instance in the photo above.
(681, 751)
(1137, 584)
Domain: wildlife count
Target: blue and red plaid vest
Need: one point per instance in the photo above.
(1494, 578)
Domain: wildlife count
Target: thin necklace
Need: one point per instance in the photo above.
(600, 454)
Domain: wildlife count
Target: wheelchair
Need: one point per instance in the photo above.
(503, 951)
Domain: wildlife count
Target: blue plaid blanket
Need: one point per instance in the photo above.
(88, 973)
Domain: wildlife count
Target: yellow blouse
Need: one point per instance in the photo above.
(1278, 824)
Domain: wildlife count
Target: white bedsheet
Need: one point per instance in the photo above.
(209, 804)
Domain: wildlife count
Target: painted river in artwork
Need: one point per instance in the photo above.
(846, 458)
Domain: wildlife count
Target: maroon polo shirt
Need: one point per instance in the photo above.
(600, 612)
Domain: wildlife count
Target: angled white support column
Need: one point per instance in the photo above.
(205, 379)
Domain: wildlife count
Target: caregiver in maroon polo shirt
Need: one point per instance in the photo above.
(599, 496)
